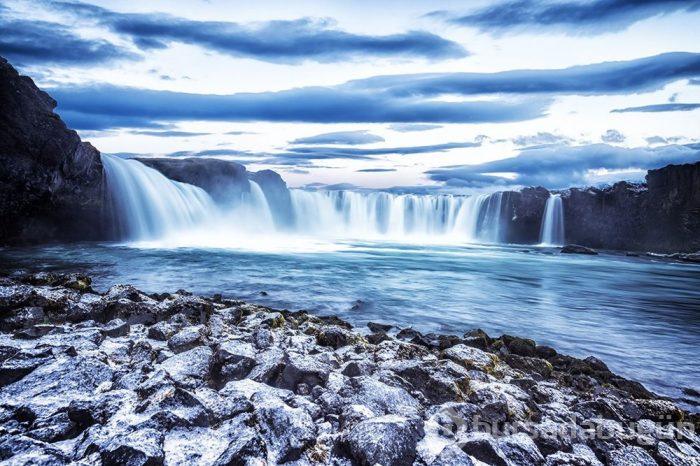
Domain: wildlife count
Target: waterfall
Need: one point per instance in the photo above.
(552, 229)
(148, 206)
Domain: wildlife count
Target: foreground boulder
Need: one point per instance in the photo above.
(219, 382)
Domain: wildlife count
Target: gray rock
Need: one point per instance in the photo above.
(190, 368)
(578, 249)
(139, 448)
(629, 456)
(288, 431)
(187, 338)
(388, 440)
(471, 358)
(452, 455)
(233, 360)
(162, 331)
(520, 450)
(116, 328)
(483, 447)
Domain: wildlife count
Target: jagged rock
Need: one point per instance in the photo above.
(578, 249)
(233, 360)
(388, 440)
(452, 455)
(139, 448)
(187, 338)
(379, 398)
(288, 431)
(116, 328)
(483, 447)
(376, 327)
(20, 363)
(21, 450)
(334, 336)
(162, 331)
(471, 358)
(520, 450)
(190, 368)
(629, 456)
(531, 366)
(438, 381)
(581, 456)
(306, 370)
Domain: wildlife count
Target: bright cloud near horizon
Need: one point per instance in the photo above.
(460, 96)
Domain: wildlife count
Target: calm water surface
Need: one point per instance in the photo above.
(641, 316)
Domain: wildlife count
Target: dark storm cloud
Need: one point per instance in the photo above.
(351, 138)
(288, 41)
(380, 99)
(40, 42)
(562, 166)
(577, 17)
(671, 107)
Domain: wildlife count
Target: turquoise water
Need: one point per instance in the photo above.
(641, 316)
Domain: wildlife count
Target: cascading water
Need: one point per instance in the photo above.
(149, 206)
(552, 229)
(146, 205)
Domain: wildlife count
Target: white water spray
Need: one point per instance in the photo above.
(150, 207)
(552, 228)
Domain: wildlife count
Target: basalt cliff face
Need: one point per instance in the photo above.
(50, 181)
(660, 215)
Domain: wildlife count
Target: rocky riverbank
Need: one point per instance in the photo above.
(129, 378)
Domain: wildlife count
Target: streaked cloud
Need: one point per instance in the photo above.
(279, 41)
(562, 166)
(575, 17)
(341, 137)
(670, 107)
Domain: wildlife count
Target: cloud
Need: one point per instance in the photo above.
(661, 140)
(106, 106)
(541, 138)
(410, 98)
(281, 41)
(42, 42)
(341, 137)
(562, 166)
(672, 107)
(607, 78)
(612, 135)
(376, 170)
(365, 153)
(168, 134)
(412, 127)
(577, 17)
(694, 82)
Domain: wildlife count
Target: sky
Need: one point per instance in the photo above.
(457, 96)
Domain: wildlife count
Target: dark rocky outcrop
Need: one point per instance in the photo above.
(222, 179)
(50, 181)
(660, 215)
(244, 384)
